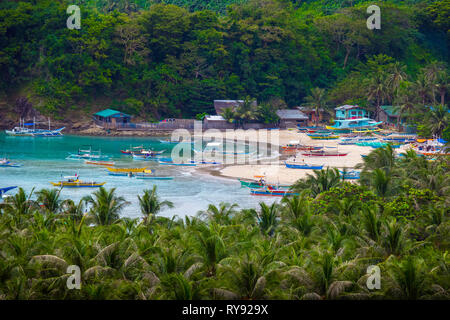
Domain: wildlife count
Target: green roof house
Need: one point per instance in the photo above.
(390, 114)
(111, 118)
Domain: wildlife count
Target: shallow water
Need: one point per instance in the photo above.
(44, 160)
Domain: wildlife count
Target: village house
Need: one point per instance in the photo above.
(290, 118)
(220, 105)
(350, 112)
(110, 118)
(389, 115)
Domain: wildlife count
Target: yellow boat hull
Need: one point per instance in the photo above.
(127, 169)
(79, 184)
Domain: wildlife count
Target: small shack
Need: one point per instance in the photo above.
(216, 122)
(290, 118)
(220, 105)
(390, 114)
(111, 118)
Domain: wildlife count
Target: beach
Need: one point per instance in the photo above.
(275, 170)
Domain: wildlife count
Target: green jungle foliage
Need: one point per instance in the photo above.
(159, 59)
(317, 245)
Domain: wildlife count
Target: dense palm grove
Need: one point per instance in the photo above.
(317, 245)
(153, 60)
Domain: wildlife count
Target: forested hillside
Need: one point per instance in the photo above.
(168, 60)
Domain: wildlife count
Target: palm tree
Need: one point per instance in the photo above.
(422, 88)
(378, 90)
(228, 114)
(151, 205)
(396, 75)
(439, 120)
(105, 206)
(394, 239)
(20, 204)
(220, 215)
(320, 181)
(409, 279)
(49, 199)
(211, 248)
(381, 182)
(318, 100)
(268, 218)
(441, 84)
(245, 111)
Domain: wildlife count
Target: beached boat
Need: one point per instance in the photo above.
(355, 140)
(431, 147)
(322, 136)
(99, 163)
(133, 170)
(302, 165)
(367, 130)
(75, 182)
(268, 191)
(350, 175)
(254, 184)
(323, 153)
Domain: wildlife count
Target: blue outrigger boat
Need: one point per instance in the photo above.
(350, 175)
(302, 166)
(5, 190)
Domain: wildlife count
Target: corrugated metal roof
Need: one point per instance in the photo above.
(110, 113)
(215, 118)
(346, 107)
(291, 114)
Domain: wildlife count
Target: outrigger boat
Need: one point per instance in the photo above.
(350, 175)
(322, 136)
(323, 153)
(99, 163)
(254, 184)
(171, 163)
(132, 149)
(87, 154)
(127, 170)
(24, 130)
(5, 190)
(75, 182)
(302, 165)
(6, 163)
(270, 191)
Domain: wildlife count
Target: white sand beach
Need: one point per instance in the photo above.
(276, 172)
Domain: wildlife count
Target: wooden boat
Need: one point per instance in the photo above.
(367, 130)
(300, 165)
(259, 184)
(350, 175)
(132, 149)
(188, 164)
(325, 138)
(322, 153)
(6, 163)
(272, 192)
(75, 182)
(99, 163)
(127, 169)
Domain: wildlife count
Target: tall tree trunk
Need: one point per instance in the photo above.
(442, 97)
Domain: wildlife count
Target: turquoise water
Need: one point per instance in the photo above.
(44, 160)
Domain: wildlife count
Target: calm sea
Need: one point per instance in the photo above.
(44, 160)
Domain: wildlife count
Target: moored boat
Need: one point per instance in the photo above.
(7, 163)
(272, 192)
(75, 182)
(302, 165)
(99, 163)
(4, 190)
(132, 170)
(323, 153)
